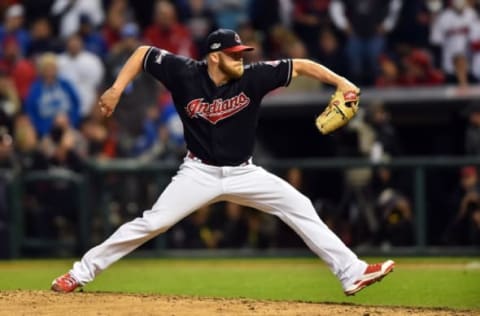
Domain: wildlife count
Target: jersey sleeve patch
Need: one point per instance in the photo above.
(159, 54)
(159, 57)
(289, 72)
(271, 74)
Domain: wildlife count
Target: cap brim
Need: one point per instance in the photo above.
(238, 48)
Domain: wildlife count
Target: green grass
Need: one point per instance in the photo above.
(441, 282)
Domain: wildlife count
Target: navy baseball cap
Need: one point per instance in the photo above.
(225, 40)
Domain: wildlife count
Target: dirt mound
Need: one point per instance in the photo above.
(90, 303)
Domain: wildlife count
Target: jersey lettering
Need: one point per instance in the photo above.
(219, 109)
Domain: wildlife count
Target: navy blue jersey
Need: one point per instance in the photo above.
(219, 122)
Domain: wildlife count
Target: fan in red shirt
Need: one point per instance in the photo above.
(419, 70)
(21, 70)
(416, 70)
(168, 33)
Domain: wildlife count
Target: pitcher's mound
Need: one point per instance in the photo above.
(89, 303)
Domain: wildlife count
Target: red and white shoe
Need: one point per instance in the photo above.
(374, 273)
(65, 284)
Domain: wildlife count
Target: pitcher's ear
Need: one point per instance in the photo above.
(214, 57)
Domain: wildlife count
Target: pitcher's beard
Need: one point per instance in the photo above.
(231, 72)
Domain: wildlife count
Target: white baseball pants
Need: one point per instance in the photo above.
(197, 184)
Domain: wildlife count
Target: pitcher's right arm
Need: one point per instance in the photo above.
(109, 99)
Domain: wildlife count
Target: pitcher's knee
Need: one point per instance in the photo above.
(157, 222)
(303, 202)
(299, 204)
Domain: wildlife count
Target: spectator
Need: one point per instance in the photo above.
(386, 141)
(370, 135)
(148, 146)
(414, 68)
(256, 55)
(162, 137)
(171, 131)
(7, 153)
(230, 14)
(474, 4)
(329, 52)
(450, 31)
(253, 38)
(43, 39)
(472, 132)
(5, 4)
(303, 84)
(101, 144)
(426, 13)
(141, 94)
(248, 33)
(365, 24)
(166, 32)
(13, 28)
(118, 14)
(234, 230)
(29, 157)
(389, 73)
(394, 211)
(84, 70)
(9, 101)
(266, 14)
(259, 236)
(49, 210)
(27, 147)
(4, 219)
(195, 231)
(19, 69)
(68, 12)
(475, 47)
(50, 96)
(278, 39)
(309, 18)
(7, 161)
(416, 18)
(419, 70)
(463, 76)
(200, 22)
(34, 9)
(64, 146)
(93, 40)
(465, 224)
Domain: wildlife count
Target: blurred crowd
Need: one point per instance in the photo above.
(57, 56)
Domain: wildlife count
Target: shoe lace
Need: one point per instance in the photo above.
(67, 280)
(373, 267)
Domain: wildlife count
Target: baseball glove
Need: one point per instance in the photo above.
(341, 109)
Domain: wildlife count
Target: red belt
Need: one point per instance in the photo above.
(192, 156)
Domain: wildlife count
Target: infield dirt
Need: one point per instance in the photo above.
(90, 303)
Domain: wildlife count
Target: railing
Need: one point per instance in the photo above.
(402, 96)
(16, 192)
(98, 170)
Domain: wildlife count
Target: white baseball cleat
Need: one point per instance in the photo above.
(374, 273)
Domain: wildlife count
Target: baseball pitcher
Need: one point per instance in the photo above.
(218, 100)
